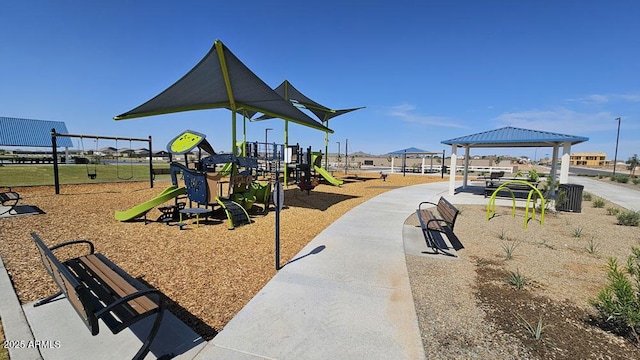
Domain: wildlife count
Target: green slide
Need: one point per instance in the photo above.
(316, 159)
(139, 210)
(325, 174)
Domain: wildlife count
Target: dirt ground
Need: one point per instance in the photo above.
(209, 273)
(482, 315)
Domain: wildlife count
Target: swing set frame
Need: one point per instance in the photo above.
(54, 146)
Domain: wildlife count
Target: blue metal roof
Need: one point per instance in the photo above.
(407, 150)
(515, 137)
(29, 132)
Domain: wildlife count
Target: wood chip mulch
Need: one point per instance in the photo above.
(208, 272)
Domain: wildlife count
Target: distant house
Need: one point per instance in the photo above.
(588, 159)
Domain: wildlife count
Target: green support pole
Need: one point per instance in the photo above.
(326, 148)
(233, 132)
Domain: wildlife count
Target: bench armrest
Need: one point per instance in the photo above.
(425, 202)
(91, 247)
(438, 220)
(130, 297)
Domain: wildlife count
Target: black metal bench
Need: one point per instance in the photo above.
(510, 188)
(434, 224)
(9, 198)
(97, 289)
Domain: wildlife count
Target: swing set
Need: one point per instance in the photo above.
(92, 173)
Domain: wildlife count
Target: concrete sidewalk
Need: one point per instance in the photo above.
(346, 295)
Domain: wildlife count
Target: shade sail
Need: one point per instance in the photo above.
(221, 80)
(289, 92)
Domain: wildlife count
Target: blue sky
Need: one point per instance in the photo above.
(426, 71)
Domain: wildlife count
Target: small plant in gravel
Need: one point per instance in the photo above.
(586, 196)
(592, 247)
(629, 218)
(517, 279)
(577, 232)
(598, 203)
(502, 235)
(613, 210)
(619, 302)
(509, 248)
(534, 331)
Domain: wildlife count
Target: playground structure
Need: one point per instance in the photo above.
(203, 185)
(531, 202)
(93, 174)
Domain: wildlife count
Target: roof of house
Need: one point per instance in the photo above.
(32, 133)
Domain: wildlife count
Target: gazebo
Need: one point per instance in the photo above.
(512, 137)
(416, 152)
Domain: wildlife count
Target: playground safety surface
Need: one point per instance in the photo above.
(435, 326)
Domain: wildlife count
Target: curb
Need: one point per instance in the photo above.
(14, 323)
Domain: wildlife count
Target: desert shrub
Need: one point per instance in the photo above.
(586, 196)
(598, 203)
(509, 248)
(517, 280)
(592, 247)
(618, 303)
(629, 218)
(561, 198)
(613, 211)
(636, 181)
(622, 179)
(577, 232)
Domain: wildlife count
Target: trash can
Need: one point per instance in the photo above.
(573, 200)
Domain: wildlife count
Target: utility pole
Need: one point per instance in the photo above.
(615, 157)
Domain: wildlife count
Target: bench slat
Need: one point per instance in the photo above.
(117, 283)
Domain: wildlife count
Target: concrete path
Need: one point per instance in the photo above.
(346, 295)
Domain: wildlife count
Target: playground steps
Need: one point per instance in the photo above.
(236, 214)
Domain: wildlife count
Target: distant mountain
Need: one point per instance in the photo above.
(360, 154)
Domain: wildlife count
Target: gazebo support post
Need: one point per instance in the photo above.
(452, 169)
(466, 166)
(554, 164)
(566, 160)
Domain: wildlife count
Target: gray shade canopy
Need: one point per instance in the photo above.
(221, 80)
(323, 113)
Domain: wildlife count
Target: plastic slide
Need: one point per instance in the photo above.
(139, 210)
(325, 174)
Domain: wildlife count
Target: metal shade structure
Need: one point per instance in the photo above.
(221, 80)
(512, 137)
(410, 150)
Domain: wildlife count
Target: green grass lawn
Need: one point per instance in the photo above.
(29, 175)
